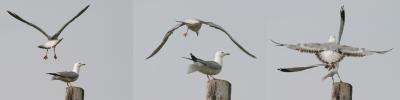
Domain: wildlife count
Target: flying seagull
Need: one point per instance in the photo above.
(330, 53)
(195, 25)
(52, 41)
(331, 71)
(68, 76)
(207, 67)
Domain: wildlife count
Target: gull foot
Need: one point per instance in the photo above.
(184, 34)
(45, 57)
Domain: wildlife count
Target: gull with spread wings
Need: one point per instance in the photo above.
(195, 25)
(329, 53)
(52, 41)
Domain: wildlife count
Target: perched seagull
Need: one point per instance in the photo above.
(195, 25)
(207, 67)
(52, 41)
(329, 53)
(68, 76)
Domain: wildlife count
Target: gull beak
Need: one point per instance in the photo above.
(83, 64)
(227, 54)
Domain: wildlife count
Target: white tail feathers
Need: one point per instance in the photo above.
(330, 73)
(191, 69)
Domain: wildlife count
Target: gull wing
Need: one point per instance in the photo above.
(30, 24)
(297, 68)
(305, 47)
(210, 64)
(359, 52)
(211, 24)
(55, 36)
(342, 20)
(166, 36)
(68, 74)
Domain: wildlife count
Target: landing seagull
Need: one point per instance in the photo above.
(333, 71)
(329, 53)
(195, 25)
(207, 67)
(52, 41)
(68, 76)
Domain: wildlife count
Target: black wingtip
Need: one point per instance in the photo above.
(276, 43)
(52, 74)
(284, 70)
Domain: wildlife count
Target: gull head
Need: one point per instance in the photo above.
(221, 53)
(332, 38)
(78, 64)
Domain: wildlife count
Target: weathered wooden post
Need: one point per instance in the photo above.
(219, 90)
(342, 91)
(74, 93)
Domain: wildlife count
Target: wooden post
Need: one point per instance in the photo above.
(342, 91)
(219, 90)
(74, 93)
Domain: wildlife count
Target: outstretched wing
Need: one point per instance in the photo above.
(30, 24)
(359, 52)
(297, 68)
(342, 20)
(305, 47)
(211, 24)
(166, 36)
(55, 36)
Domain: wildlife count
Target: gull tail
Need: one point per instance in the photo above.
(297, 69)
(192, 68)
(55, 75)
(330, 73)
(192, 57)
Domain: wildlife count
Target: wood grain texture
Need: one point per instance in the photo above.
(342, 91)
(219, 90)
(74, 93)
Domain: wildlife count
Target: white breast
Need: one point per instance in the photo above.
(192, 21)
(330, 56)
(51, 43)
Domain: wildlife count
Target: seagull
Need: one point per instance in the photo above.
(52, 41)
(331, 71)
(195, 25)
(330, 53)
(207, 67)
(68, 76)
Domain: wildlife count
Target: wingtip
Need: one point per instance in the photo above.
(284, 70)
(276, 43)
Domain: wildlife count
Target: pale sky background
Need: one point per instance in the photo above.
(369, 23)
(101, 38)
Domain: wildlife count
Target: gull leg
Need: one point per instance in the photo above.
(213, 77)
(45, 56)
(55, 55)
(333, 80)
(339, 77)
(185, 34)
(208, 77)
